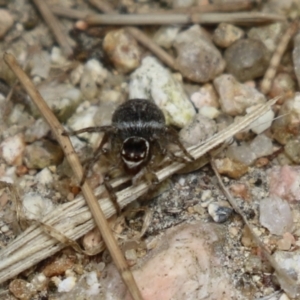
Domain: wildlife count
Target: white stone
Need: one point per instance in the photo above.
(82, 119)
(262, 123)
(40, 64)
(276, 215)
(57, 56)
(153, 81)
(35, 206)
(44, 177)
(11, 149)
(67, 284)
(166, 35)
(94, 285)
(209, 112)
(261, 146)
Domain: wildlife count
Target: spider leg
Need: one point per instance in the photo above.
(111, 129)
(172, 137)
(98, 153)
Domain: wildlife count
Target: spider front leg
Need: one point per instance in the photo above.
(172, 137)
(99, 151)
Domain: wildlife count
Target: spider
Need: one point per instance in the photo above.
(138, 140)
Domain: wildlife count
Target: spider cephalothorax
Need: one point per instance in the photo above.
(138, 140)
(139, 124)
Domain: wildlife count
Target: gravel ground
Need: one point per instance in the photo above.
(208, 77)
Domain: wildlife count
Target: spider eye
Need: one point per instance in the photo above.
(135, 149)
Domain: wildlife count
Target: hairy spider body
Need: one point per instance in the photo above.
(139, 123)
(138, 140)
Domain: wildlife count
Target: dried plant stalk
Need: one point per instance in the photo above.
(276, 58)
(241, 18)
(73, 219)
(55, 26)
(74, 162)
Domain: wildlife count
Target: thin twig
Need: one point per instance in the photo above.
(285, 279)
(241, 18)
(74, 162)
(55, 26)
(73, 219)
(276, 58)
(214, 7)
(69, 13)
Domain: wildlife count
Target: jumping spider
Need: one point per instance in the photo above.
(138, 141)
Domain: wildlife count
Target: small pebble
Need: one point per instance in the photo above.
(131, 254)
(290, 262)
(12, 148)
(284, 86)
(40, 64)
(219, 211)
(22, 289)
(123, 50)
(39, 281)
(93, 75)
(67, 284)
(58, 267)
(57, 56)
(247, 59)
(205, 96)
(284, 182)
(38, 130)
(4, 229)
(42, 154)
(236, 97)
(276, 215)
(268, 34)
(242, 153)
(286, 242)
(286, 126)
(92, 239)
(35, 206)
(197, 57)
(166, 35)
(93, 283)
(231, 168)
(261, 146)
(62, 99)
(226, 34)
(153, 81)
(292, 149)
(262, 123)
(6, 22)
(44, 177)
(199, 129)
(209, 112)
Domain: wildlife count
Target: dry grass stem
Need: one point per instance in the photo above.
(276, 58)
(69, 13)
(241, 18)
(74, 162)
(55, 26)
(287, 282)
(73, 219)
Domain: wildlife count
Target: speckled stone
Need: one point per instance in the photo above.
(153, 81)
(247, 59)
(197, 57)
(123, 50)
(236, 97)
(41, 154)
(226, 34)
